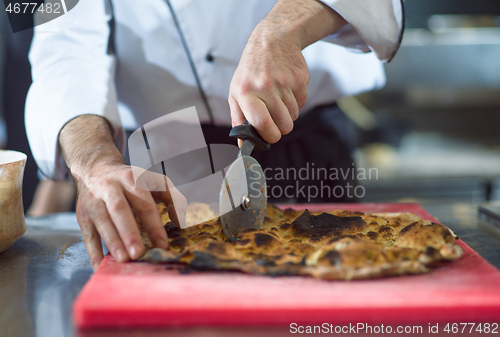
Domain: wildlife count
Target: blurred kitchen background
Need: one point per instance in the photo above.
(433, 132)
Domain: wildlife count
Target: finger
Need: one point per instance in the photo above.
(145, 208)
(92, 241)
(176, 203)
(121, 214)
(299, 87)
(280, 115)
(162, 189)
(237, 117)
(291, 103)
(300, 96)
(108, 232)
(257, 114)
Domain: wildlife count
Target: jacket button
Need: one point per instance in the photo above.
(209, 57)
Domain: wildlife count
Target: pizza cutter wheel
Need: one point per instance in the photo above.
(243, 194)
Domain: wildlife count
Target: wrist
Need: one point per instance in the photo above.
(87, 146)
(96, 164)
(298, 22)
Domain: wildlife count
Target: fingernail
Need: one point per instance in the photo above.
(95, 265)
(135, 251)
(121, 256)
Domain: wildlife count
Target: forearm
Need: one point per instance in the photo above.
(302, 22)
(106, 192)
(86, 143)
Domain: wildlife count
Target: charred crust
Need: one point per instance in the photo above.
(446, 234)
(408, 228)
(179, 242)
(333, 240)
(385, 229)
(431, 251)
(204, 260)
(249, 230)
(333, 257)
(216, 247)
(387, 236)
(265, 263)
(242, 242)
(325, 224)
(285, 226)
(288, 238)
(262, 239)
(207, 227)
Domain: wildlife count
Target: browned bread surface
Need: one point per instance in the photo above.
(338, 244)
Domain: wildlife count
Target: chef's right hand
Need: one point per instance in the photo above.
(107, 192)
(269, 85)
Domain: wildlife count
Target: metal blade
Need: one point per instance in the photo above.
(243, 197)
(247, 148)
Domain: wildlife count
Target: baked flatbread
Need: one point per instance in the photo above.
(336, 245)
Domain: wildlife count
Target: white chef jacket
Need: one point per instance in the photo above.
(76, 72)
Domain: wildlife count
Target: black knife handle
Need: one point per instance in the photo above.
(247, 131)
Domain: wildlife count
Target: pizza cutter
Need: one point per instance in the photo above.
(243, 194)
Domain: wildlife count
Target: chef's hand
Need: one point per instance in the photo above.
(270, 84)
(106, 192)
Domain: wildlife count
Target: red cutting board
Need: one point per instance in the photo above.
(148, 295)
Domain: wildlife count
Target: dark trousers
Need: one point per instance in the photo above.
(16, 82)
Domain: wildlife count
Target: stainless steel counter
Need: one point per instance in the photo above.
(42, 273)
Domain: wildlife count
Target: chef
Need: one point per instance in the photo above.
(265, 61)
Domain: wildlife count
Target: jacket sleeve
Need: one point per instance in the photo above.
(373, 25)
(73, 75)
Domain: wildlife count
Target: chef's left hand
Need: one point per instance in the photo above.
(270, 83)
